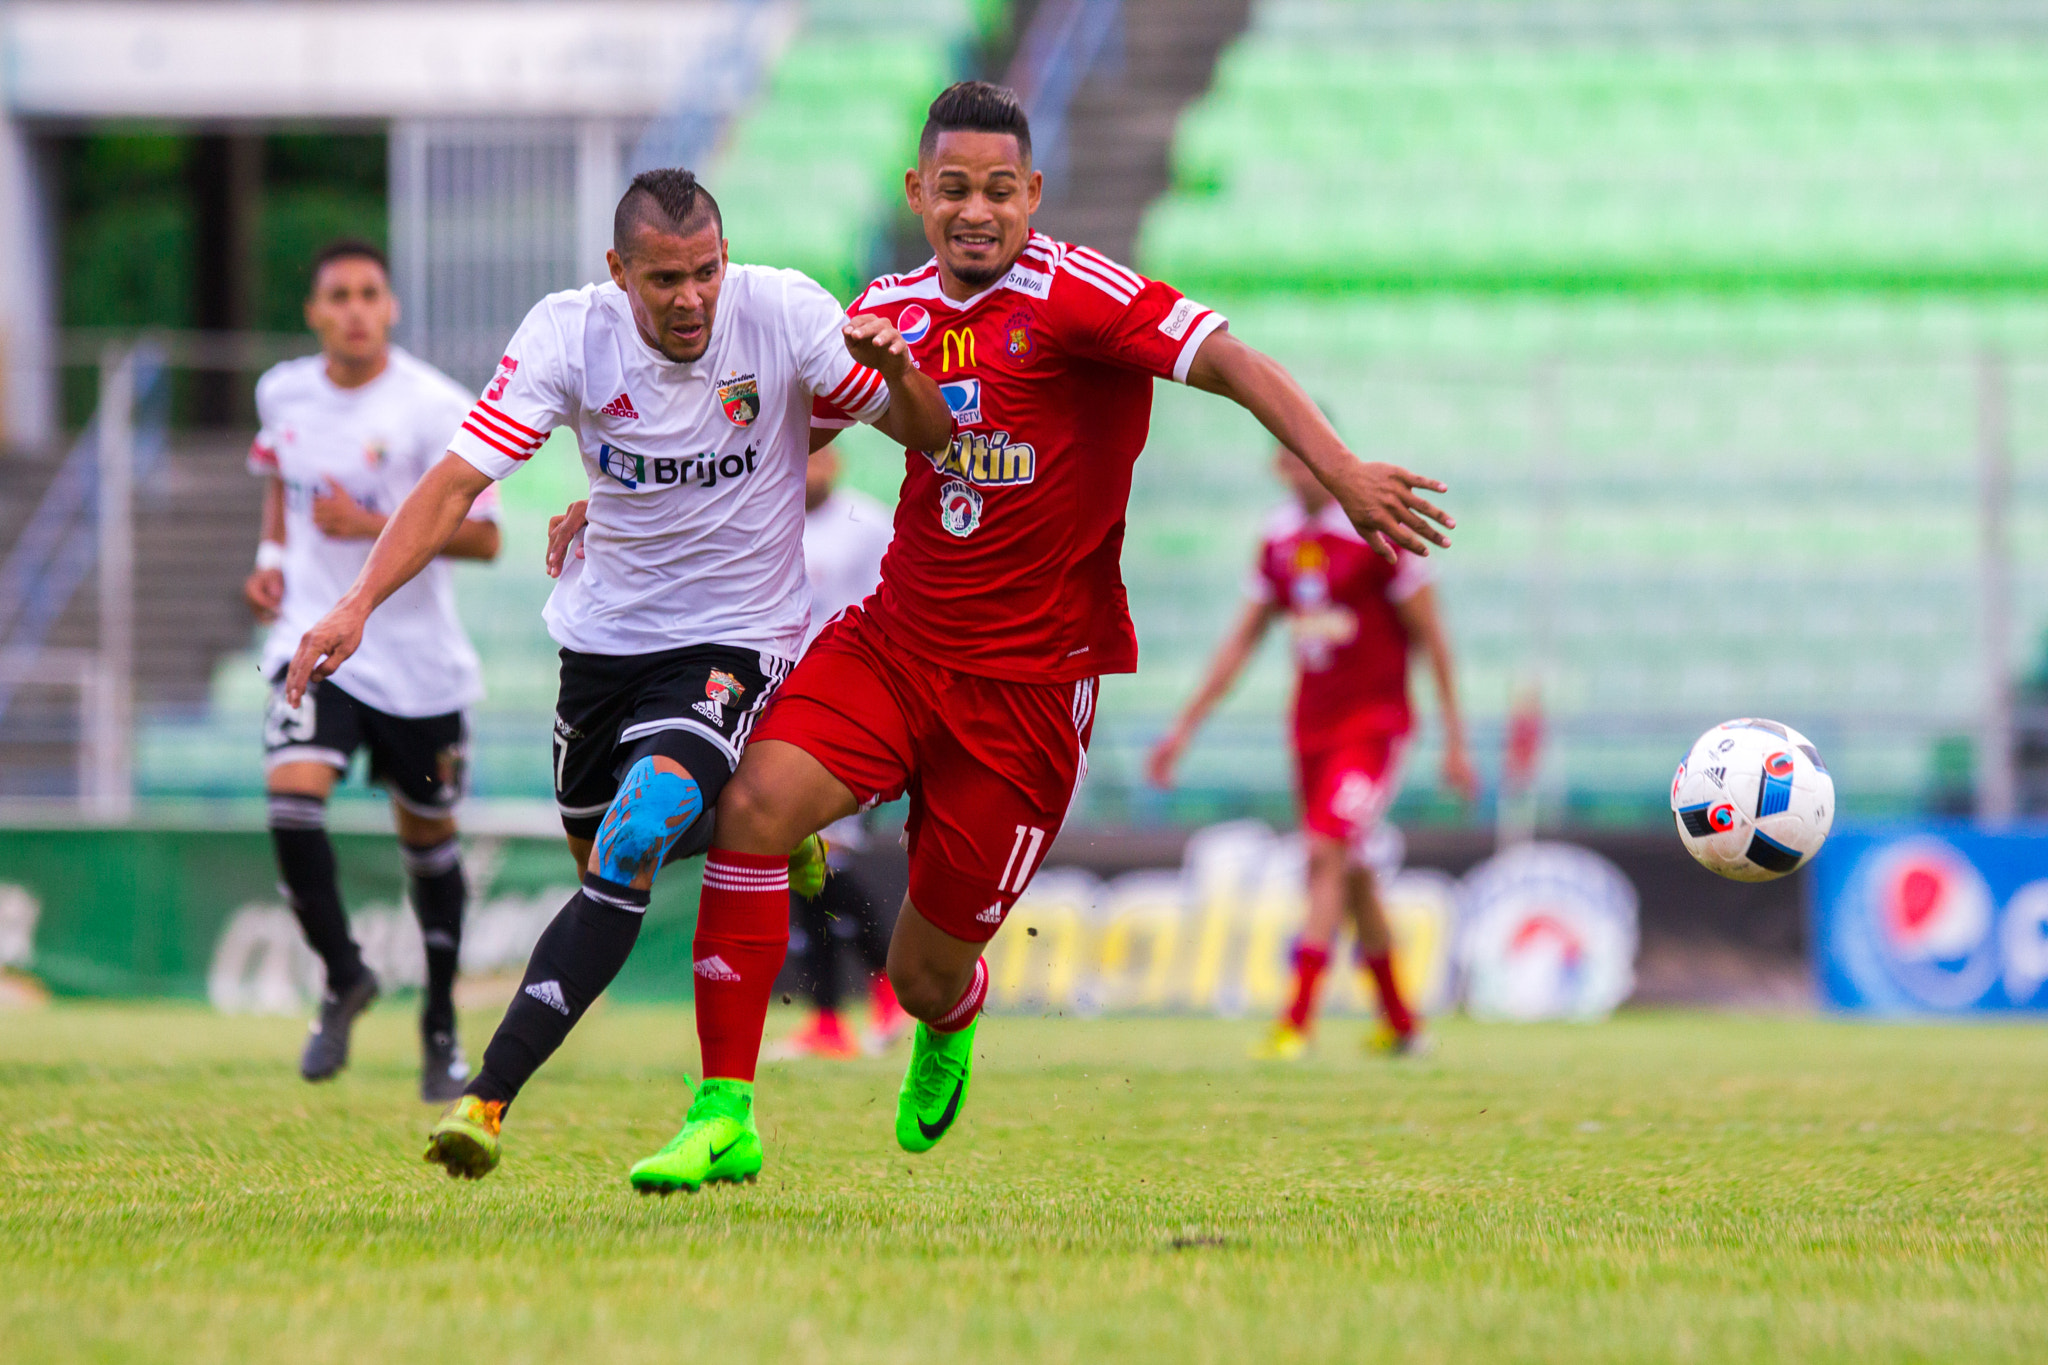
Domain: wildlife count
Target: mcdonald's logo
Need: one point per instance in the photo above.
(964, 338)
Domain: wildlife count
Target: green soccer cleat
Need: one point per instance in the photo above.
(934, 1087)
(465, 1141)
(718, 1142)
(807, 868)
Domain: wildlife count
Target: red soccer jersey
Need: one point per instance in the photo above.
(1340, 599)
(1005, 562)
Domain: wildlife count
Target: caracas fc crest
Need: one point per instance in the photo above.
(741, 398)
(724, 688)
(1017, 334)
(959, 508)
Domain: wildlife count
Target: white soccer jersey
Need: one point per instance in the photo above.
(374, 441)
(696, 469)
(845, 537)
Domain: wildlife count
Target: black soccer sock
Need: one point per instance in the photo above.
(577, 957)
(305, 861)
(817, 962)
(438, 897)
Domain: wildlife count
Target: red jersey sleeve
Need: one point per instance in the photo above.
(1263, 584)
(1111, 312)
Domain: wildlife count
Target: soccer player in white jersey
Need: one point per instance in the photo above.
(689, 384)
(345, 435)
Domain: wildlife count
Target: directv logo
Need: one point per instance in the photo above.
(963, 400)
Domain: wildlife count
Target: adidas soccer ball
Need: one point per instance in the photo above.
(1753, 801)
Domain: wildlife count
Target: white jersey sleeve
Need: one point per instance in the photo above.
(263, 450)
(526, 399)
(844, 391)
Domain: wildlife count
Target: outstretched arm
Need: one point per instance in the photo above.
(420, 529)
(1380, 499)
(1231, 657)
(917, 417)
(1426, 626)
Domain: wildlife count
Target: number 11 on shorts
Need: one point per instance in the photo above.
(1025, 834)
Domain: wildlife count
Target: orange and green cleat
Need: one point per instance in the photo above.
(465, 1141)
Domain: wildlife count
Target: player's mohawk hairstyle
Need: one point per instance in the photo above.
(975, 107)
(667, 200)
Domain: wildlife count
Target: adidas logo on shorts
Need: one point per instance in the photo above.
(715, 968)
(992, 915)
(711, 711)
(549, 993)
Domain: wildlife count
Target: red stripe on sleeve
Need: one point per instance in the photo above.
(493, 442)
(520, 427)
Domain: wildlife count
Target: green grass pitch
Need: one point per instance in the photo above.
(1663, 1187)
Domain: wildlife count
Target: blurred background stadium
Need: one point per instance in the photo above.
(1727, 322)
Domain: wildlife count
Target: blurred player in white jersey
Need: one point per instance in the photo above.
(689, 384)
(846, 532)
(345, 436)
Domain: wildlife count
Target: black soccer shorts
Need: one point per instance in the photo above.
(696, 705)
(423, 761)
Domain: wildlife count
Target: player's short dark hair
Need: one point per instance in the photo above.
(668, 200)
(975, 107)
(346, 249)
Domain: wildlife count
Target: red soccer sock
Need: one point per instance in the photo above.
(968, 1006)
(1309, 962)
(1391, 1004)
(742, 936)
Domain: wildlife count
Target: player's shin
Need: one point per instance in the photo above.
(742, 937)
(1310, 961)
(439, 896)
(575, 959)
(305, 863)
(1393, 1006)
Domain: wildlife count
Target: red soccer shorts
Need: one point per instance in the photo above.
(1347, 786)
(990, 766)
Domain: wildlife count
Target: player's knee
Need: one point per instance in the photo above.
(925, 991)
(748, 816)
(655, 804)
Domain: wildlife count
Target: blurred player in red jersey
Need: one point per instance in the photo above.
(967, 679)
(1353, 617)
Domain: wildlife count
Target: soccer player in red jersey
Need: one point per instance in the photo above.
(1353, 617)
(967, 680)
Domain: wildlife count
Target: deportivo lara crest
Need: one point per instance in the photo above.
(740, 396)
(724, 688)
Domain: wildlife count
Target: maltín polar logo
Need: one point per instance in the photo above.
(959, 508)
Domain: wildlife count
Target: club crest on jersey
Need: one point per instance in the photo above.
(724, 688)
(959, 508)
(915, 323)
(741, 398)
(1017, 332)
(373, 454)
(987, 458)
(963, 400)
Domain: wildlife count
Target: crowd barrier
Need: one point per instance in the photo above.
(1546, 930)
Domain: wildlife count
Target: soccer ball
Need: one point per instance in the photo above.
(1753, 801)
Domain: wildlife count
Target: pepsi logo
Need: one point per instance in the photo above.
(1779, 765)
(1722, 817)
(915, 323)
(1931, 911)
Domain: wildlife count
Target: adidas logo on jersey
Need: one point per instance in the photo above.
(715, 968)
(549, 993)
(992, 915)
(711, 711)
(622, 406)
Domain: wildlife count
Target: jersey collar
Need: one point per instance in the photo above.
(1020, 278)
